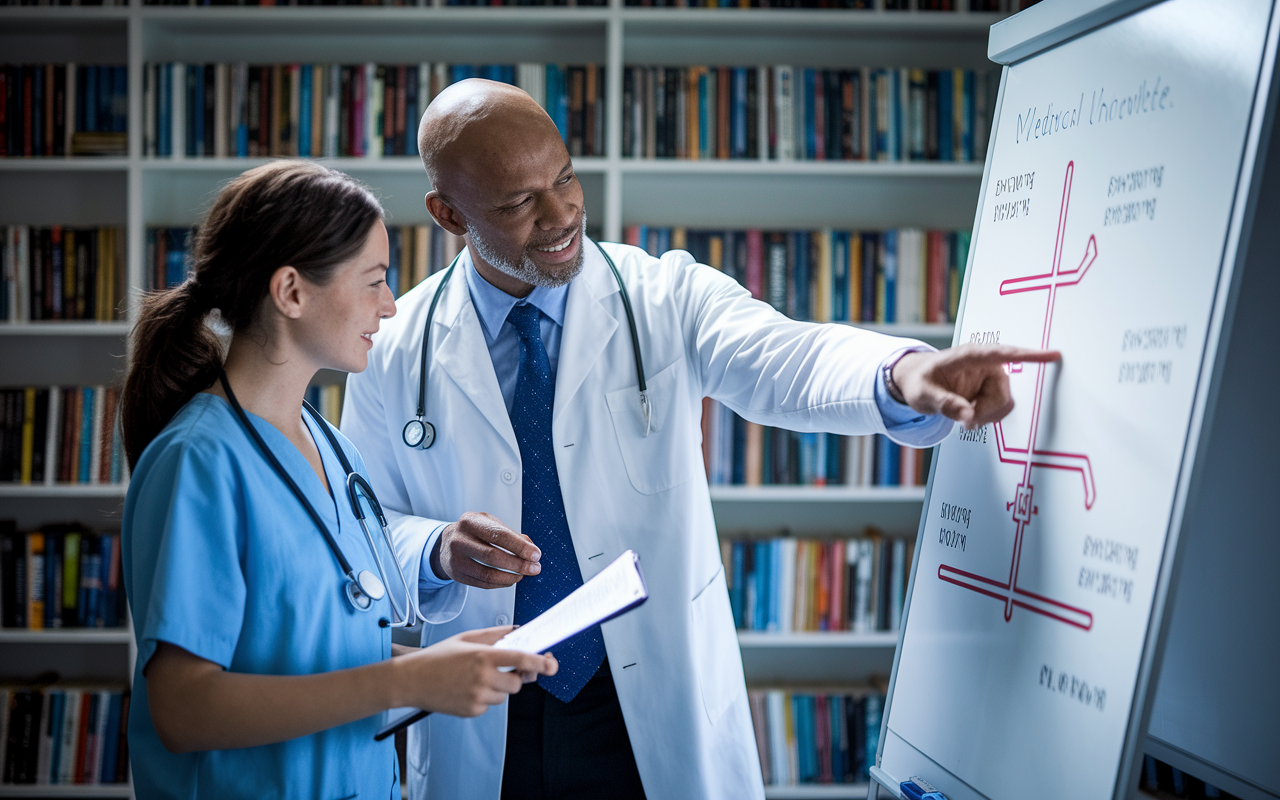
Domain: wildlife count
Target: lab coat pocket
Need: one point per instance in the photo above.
(661, 460)
(715, 647)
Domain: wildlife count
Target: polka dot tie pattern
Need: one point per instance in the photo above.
(542, 510)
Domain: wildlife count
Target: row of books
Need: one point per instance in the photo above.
(60, 576)
(788, 585)
(63, 109)
(741, 453)
(416, 251)
(905, 275)
(64, 734)
(865, 114)
(61, 434)
(62, 273)
(313, 110)
(816, 737)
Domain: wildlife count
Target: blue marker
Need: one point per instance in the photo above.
(919, 789)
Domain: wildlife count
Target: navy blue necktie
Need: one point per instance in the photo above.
(542, 510)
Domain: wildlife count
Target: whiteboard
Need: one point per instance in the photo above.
(1105, 212)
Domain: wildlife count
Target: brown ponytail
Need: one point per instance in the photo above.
(286, 213)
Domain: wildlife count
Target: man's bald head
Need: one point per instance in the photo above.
(475, 124)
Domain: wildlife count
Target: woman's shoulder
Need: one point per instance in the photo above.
(198, 431)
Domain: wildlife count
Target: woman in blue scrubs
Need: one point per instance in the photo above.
(256, 676)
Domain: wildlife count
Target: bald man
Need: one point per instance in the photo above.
(548, 462)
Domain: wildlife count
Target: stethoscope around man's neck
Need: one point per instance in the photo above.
(420, 434)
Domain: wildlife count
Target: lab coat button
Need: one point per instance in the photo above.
(501, 620)
(508, 477)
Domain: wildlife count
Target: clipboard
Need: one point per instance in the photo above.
(615, 590)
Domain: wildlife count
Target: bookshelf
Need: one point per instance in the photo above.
(139, 192)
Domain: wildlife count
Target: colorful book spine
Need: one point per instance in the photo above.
(60, 576)
(815, 738)
(61, 273)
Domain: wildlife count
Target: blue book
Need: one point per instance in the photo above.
(899, 124)
(705, 112)
(840, 276)
(889, 258)
(967, 115)
(776, 584)
(839, 738)
(664, 241)
(190, 80)
(164, 100)
(806, 740)
(835, 445)
(802, 279)
(761, 578)
(875, 705)
(57, 710)
(946, 116)
(111, 741)
(106, 89)
(393, 260)
(304, 112)
(86, 434)
(738, 127)
(808, 458)
(108, 594)
(89, 91)
(882, 460)
(175, 263)
(870, 249)
(737, 579)
(810, 132)
(562, 103)
(242, 129)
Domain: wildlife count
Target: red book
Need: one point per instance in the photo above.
(819, 117)
(82, 736)
(755, 263)
(822, 737)
(837, 586)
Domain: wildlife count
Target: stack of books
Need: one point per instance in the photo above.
(816, 737)
(61, 434)
(789, 585)
(904, 275)
(64, 734)
(60, 576)
(62, 273)
(416, 251)
(863, 114)
(314, 110)
(63, 110)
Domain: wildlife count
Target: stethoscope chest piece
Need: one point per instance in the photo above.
(365, 590)
(419, 433)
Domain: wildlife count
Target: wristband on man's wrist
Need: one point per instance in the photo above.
(890, 384)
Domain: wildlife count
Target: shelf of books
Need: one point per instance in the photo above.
(828, 159)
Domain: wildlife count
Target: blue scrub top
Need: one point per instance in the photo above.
(222, 560)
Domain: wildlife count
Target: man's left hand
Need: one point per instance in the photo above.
(967, 383)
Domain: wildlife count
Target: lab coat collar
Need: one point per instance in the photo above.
(463, 354)
(588, 326)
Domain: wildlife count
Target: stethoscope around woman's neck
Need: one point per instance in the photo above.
(420, 434)
(363, 588)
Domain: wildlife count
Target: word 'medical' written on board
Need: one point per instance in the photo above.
(1104, 106)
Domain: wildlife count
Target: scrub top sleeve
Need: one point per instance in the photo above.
(198, 589)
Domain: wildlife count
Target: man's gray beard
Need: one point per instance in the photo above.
(526, 270)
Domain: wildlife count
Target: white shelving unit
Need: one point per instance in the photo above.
(137, 192)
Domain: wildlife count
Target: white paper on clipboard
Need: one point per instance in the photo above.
(616, 589)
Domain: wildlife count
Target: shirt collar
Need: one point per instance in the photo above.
(493, 305)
